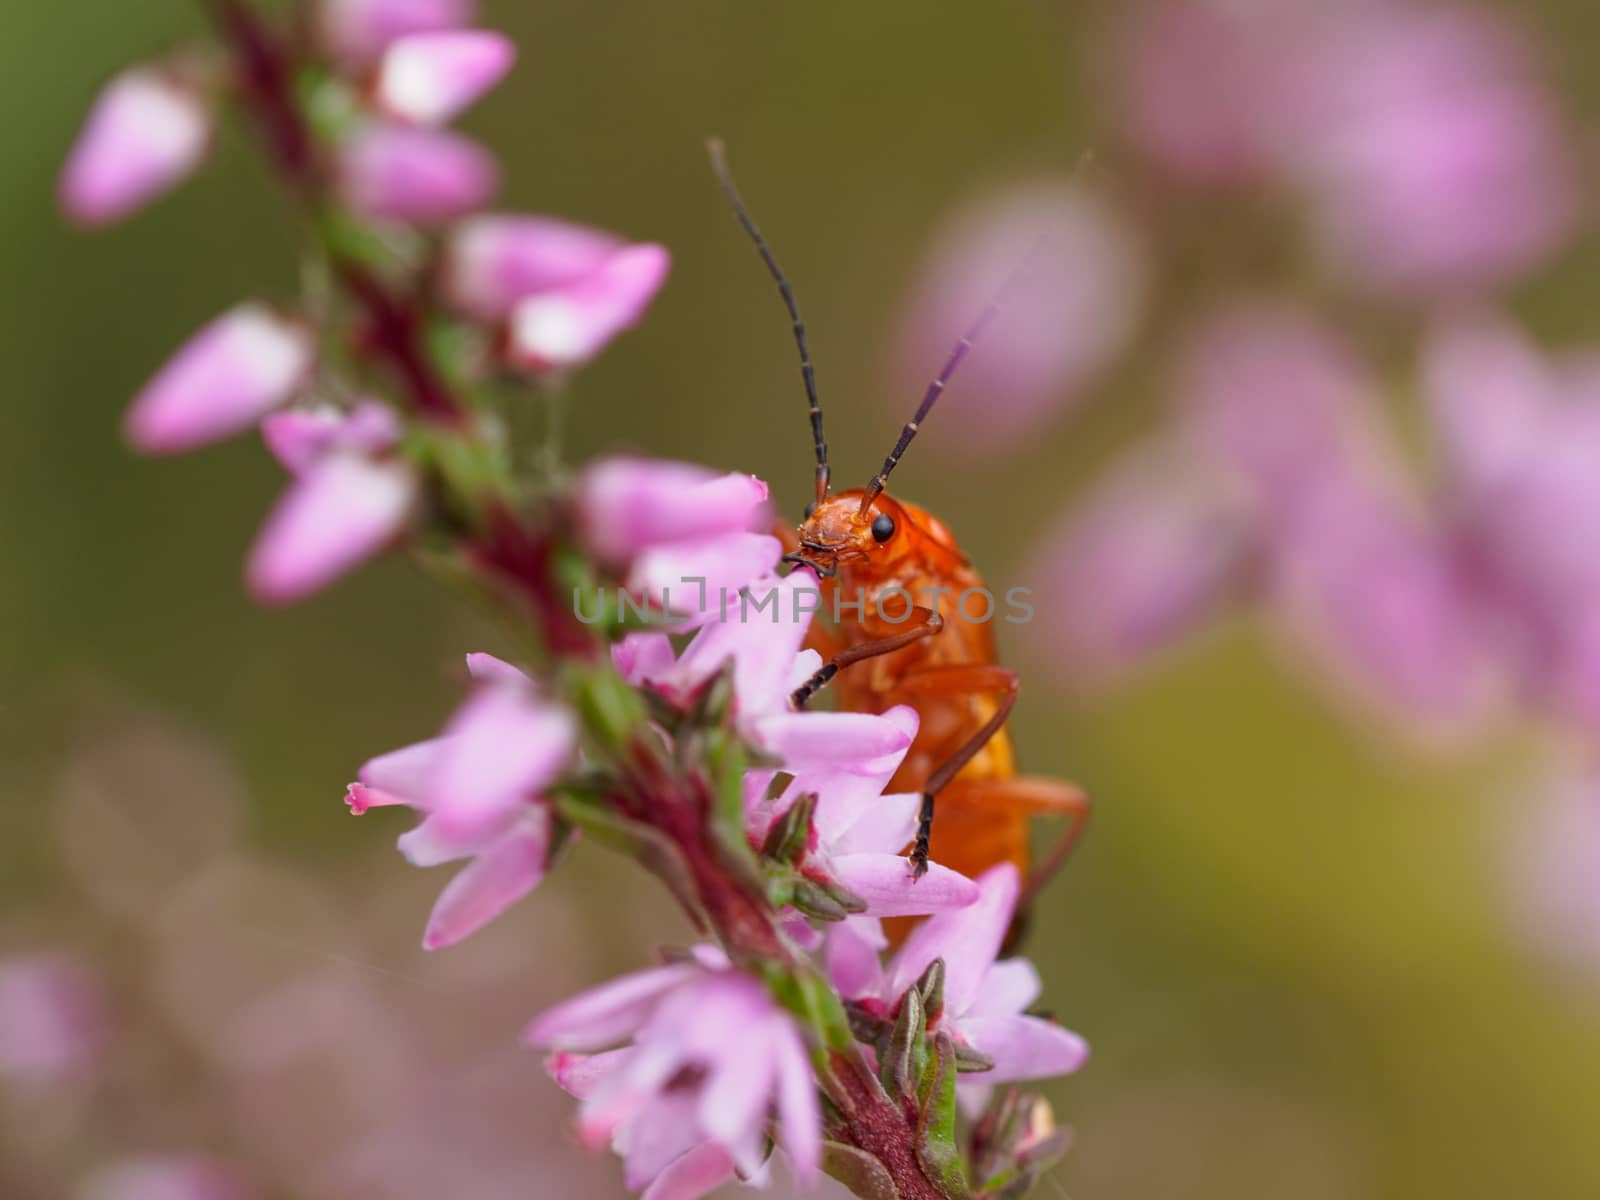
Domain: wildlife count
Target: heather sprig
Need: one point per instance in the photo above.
(661, 729)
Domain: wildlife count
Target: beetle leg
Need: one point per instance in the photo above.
(955, 681)
(928, 624)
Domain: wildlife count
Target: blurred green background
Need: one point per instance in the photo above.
(1289, 946)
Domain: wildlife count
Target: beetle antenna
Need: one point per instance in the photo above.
(936, 388)
(719, 164)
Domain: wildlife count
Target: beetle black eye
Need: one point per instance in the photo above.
(810, 508)
(882, 527)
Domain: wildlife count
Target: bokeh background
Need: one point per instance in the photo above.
(1295, 943)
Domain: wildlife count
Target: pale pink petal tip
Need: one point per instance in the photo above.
(493, 261)
(145, 133)
(396, 173)
(337, 514)
(430, 78)
(569, 327)
(628, 505)
(300, 437)
(359, 31)
(220, 382)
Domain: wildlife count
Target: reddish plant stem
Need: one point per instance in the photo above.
(265, 69)
(882, 1128)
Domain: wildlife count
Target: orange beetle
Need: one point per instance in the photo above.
(913, 641)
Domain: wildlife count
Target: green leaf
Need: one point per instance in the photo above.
(859, 1171)
(902, 1057)
(936, 1119)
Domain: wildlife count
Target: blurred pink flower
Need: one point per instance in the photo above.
(1074, 278)
(1148, 556)
(494, 261)
(627, 506)
(222, 381)
(399, 173)
(53, 1021)
(1372, 590)
(1273, 394)
(709, 1055)
(345, 504)
(1190, 79)
(147, 131)
(478, 785)
(566, 327)
(431, 78)
(176, 1178)
(1431, 155)
(985, 1002)
(358, 31)
(858, 832)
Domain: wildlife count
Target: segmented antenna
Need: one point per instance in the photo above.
(935, 390)
(719, 164)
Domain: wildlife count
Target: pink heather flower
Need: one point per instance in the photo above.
(708, 1057)
(53, 1022)
(223, 380)
(494, 261)
(1411, 635)
(627, 506)
(358, 31)
(566, 328)
(1076, 281)
(478, 785)
(985, 1002)
(1431, 155)
(431, 78)
(859, 832)
(344, 505)
(1148, 556)
(396, 173)
(191, 1177)
(1191, 76)
(147, 131)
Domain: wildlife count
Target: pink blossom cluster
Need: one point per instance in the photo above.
(677, 741)
(547, 294)
(681, 1068)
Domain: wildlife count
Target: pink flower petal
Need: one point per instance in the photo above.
(643, 656)
(852, 956)
(394, 173)
(358, 31)
(966, 938)
(811, 740)
(885, 882)
(430, 78)
(405, 772)
(486, 668)
(146, 132)
(879, 823)
(300, 437)
(335, 516)
(1008, 989)
(701, 580)
(579, 1075)
(600, 1017)
(569, 327)
(495, 880)
(799, 1113)
(221, 381)
(1023, 1047)
(492, 262)
(761, 642)
(628, 505)
(696, 1174)
(499, 749)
